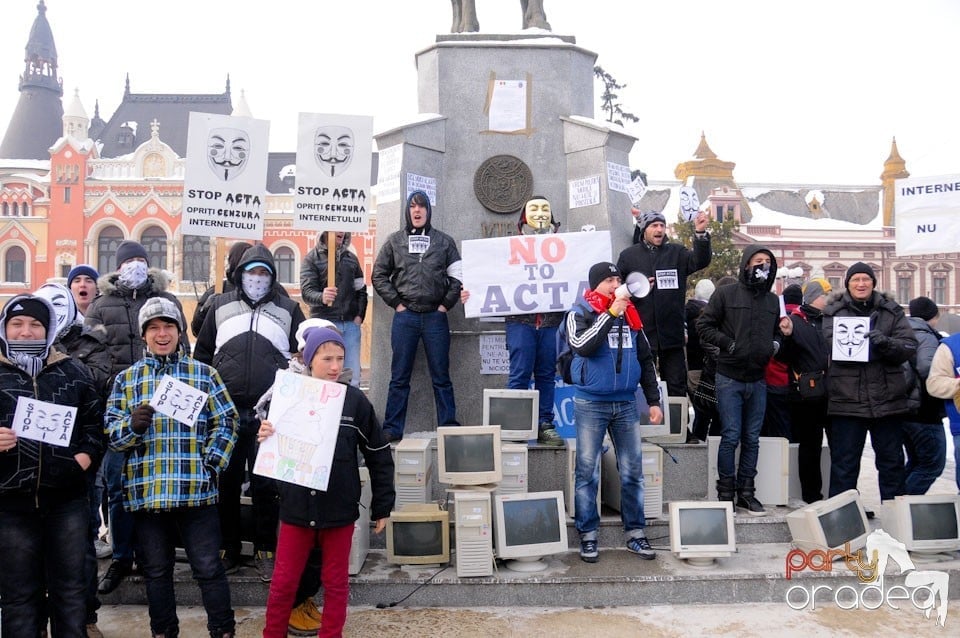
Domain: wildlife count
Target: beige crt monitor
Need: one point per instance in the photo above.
(701, 531)
(834, 524)
(418, 534)
(469, 455)
(517, 412)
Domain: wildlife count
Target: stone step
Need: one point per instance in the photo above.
(755, 573)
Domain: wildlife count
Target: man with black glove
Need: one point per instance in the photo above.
(868, 395)
(141, 418)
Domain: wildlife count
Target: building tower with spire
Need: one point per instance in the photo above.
(893, 169)
(37, 121)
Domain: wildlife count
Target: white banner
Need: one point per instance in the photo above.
(333, 172)
(927, 211)
(225, 177)
(527, 274)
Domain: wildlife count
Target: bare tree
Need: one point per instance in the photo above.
(609, 99)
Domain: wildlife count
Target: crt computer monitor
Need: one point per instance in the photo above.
(701, 531)
(418, 534)
(927, 523)
(529, 526)
(830, 524)
(469, 455)
(517, 412)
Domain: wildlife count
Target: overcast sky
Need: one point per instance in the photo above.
(798, 92)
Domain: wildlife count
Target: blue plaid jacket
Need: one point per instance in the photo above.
(172, 464)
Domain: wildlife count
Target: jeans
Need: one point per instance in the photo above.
(847, 436)
(956, 457)
(263, 493)
(293, 550)
(776, 416)
(741, 405)
(91, 563)
(351, 339)
(594, 419)
(121, 524)
(199, 529)
(44, 553)
(409, 328)
(533, 352)
(810, 421)
(926, 447)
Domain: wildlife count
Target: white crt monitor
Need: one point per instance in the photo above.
(830, 524)
(927, 523)
(469, 455)
(528, 526)
(517, 412)
(701, 531)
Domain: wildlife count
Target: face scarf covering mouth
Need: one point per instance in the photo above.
(255, 287)
(133, 274)
(759, 275)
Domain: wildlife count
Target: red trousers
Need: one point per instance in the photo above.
(293, 547)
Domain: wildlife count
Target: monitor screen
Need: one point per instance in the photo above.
(842, 524)
(706, 526)
(511, 414)
(417, 538)
(470, 453)
(531, 522)
(934, 521)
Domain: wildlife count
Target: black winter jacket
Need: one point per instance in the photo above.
(33, 471)
(351, 299)
(875, 388)
(339, 505)
(741, 320)
(115, 315)
(421, 282)
(89, 348)
(248, 342)
(662, 309)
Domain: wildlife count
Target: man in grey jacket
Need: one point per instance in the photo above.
(418, 273)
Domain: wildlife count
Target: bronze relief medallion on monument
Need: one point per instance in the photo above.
(503, 184)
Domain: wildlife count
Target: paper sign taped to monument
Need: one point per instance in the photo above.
(45, 422)
(333, 172)
(927, 214)
(529, 274)
(225, 177)
(618, 177)
(494, 358)
(389, 161)
(508, 106)
(421, 183)
(305, 413)
(585, 192)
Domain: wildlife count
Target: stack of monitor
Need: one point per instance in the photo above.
(529, 526)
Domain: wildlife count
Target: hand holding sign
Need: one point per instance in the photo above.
(46, 422)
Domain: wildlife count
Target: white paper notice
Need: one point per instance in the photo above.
(508, 106)
(178, 400)
(850, 342)
(636, 190)
(783, 307)
(618, 177)
(494, 358)
(585, 192)
(41, 421)
(305, 413)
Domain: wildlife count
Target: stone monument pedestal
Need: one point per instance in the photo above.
(445, 148)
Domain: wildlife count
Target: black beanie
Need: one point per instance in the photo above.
(30, 307)
(128, 249)
(793, 294)
(599, 272)
(923, 308)
(858, 268)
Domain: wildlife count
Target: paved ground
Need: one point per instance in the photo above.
(660, 621)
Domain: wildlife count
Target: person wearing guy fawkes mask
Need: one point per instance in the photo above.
(113, 315)
(247, 335)
(744, 322)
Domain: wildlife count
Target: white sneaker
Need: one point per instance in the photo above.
(102, 548)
